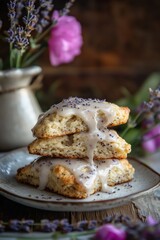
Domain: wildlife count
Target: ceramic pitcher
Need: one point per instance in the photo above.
(19, 109)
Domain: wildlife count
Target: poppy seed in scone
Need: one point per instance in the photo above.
(55, 123)
(64, 181)
(81, 153)
(75, 146)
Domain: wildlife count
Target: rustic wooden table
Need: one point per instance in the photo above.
(138, 209)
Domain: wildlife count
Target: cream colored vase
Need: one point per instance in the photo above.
(19, 108)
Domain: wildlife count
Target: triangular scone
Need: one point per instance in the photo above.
(75, 178)
(77, 146)
(75, 114)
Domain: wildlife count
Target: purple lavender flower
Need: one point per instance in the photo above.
(151, 140)
(20, 40)
(19, 34)
(14, 225)
(48, 226)
(110, 232)
(26, 225)
(154, 94)
(151, 221)
(150, 118)
(44, 23)
(12, 5)
(148, 121)
(12, 13)
(30, 23)
(47, 4)
(11, 36)
(31, 19)
(30, 5)
(19, 8)
(43, 13)
(65, 226)
(145, 107)
(92, 224)
(26, 18)
(153, 104)
(23, 226)
(67, 7)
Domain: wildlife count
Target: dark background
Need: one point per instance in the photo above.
(121, 49)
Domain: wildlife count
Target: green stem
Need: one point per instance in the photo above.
(19, 56)
(11, 58)
(27, 55)
(125, 131)
(41, 36)
(72, 235)
(33, 58)
(131, 124)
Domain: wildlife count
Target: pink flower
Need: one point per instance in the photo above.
(151, 140)
(65, 40)
(110, 232)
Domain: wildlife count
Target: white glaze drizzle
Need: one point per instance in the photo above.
(86, 178)
(87, 110)
(103, 168)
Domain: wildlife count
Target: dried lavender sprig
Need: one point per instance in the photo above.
(154, 94)
(148, 230)
(11, 32)
(18, 34)
(47, 4)
(36, 17)
(48, 226)
(30, 23)
(43, 13)
(19, 9)
(151, 109)
(43, 22)
(154, 100)
(16, 225)
(21, 41)
(12, 17)
(67, 7)
(147, 109)
(12, 13)
(62, 12)
(31, 19)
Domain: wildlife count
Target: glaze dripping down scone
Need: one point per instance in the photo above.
(75, 178)
(75, 146)
(65, 117)
(80, 153)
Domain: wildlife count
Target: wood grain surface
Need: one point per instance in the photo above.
(138, 209)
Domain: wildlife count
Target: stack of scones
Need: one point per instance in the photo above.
(80, 153)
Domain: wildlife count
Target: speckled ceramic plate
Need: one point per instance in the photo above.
(145, 180)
